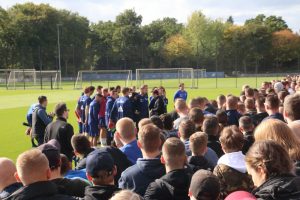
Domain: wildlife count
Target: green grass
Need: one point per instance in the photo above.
(14, 105)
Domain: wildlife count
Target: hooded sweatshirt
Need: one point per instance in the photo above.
(139, 176)
(235, 160)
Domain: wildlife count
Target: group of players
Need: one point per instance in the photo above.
(98, 114)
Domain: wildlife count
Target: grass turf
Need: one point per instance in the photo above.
(15, 103)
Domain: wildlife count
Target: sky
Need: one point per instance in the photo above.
(241, 10)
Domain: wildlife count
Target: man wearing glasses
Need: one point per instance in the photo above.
(61, 130)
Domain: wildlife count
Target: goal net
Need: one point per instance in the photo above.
(33, 79)
(199, 74)
(4, 74)
(105, 78)
(166, 77)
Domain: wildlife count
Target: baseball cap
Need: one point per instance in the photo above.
(240, 195)
(278, 87)
(52, 154)
(99, 161)
(205, 184)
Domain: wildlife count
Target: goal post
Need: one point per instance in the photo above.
(199, 74)
(166, 77)
(105, 78)
(4, 75)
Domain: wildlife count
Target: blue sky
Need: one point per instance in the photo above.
(96, 10)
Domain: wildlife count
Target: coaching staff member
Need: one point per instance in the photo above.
(61, 130)
(40, 119)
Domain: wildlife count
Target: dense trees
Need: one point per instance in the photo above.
(29, 39)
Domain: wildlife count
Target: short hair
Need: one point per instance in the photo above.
(99, 87)
(196, 115)
(291, 106)
(194, 103)
(174, 152)
(7, 171)
(125, 90)
(222, 117)
(250, 104)
(272, 101)
(125, 127)
(65, 164)
(126, 194)
(186, 129)
(91, 88)
(221, 98)
(246, 122)
(249, 92)
(59, 109)
(157, 121)
(144, 122)
(42, 99)
(80, 144)
(167, 121)
(180, 105)
(210, 125)
(32, 166)
(198, 143)
(232, 139)
(149, 137)
(269, 155)
(260, 102)
(232, 102)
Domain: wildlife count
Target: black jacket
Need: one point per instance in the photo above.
(214, 144)
(71, 187)
(43, 190)
(99, 192)
(172, 186)
(82, 162)
(10, 189)
(285, 187)
(199, 162)
(159, 107)
(248, 141)
(62, 132)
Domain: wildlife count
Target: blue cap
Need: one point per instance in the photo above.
(99, 161)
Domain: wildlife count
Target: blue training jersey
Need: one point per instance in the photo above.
(94, 113)
(83, 102)
(142, 106)
(29, 113)
(180, 94)
(121, 108)
(109, 105)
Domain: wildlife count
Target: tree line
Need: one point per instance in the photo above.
(29, 39)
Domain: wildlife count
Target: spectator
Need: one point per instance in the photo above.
(279, 132)
(249, 93)
(82, 147)
(35, 179)
(196, 115)
(241, 108)
(193, 103)
(221, 100)
(291, 108)
(61, 131)
(211, 128)
(186, 129)
(247, 128)
(271, 169)
(175, 184)
(250, 108)
(204, 186)
(8, 182)
(158, 105)
(71, 187)
(67, 172)
(222, 118)
(295, 127)
(126, 132)
(198, 146)
(240, 195)
(202, 105)
(168, 130)
(182, 110)
(100, 169)
(261, 111)
(181, 93)
(157, 122)
(231, 169)
(40, 119)
(272, 107)
(147, 169)
(144, 122)
(126, 194)
(231, 111)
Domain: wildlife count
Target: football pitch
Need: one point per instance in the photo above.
(15, 103)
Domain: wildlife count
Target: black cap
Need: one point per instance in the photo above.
(99, 161)
(52, 154)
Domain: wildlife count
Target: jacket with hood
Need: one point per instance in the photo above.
(172, 186)
(139, 176)
(232, 173)
(199, 162)
(284, 187)
(43, 190)
(103, 192)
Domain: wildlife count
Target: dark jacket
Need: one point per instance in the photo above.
(172, 186)
(62, 132)
(40, 120)
(278, 116)
(259, 117)
(96, 192)
(10, 189)
(214, 144)
(138, 177)
(43, 190)
(199, 162)
(233, 117)
(82, 162)
(158, 107)
(71, 187)
(285, 187)
(143, 106)
(248, 141)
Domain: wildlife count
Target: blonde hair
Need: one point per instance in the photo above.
(278, 131)
(198, 143)
(126, 128)
(144, 122)
(180, 105)
(126, 194)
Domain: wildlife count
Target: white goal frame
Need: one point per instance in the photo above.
(179, 72)
(79, 80)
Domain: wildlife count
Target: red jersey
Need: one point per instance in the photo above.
(102, 107)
